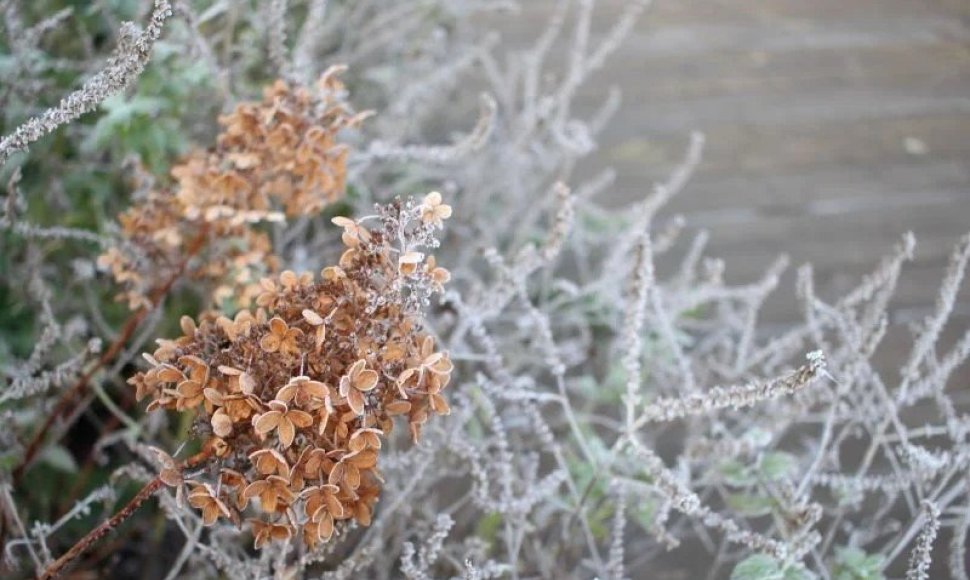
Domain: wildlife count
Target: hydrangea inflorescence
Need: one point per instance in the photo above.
(273, 159)
(295, 397)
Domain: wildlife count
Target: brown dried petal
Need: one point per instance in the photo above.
(287, 432)
(266, 422)
(365, 459)
(270, 343)
(312, 317)
(366, 380)
(221, 423)
(300, 419)
(188, 326)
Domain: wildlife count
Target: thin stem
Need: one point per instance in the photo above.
(92, 537)
(70, 398)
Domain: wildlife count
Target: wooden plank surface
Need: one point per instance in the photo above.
(832, 128)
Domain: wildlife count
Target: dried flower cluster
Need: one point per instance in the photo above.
(273, 159)
(617, 396)
(295, 397)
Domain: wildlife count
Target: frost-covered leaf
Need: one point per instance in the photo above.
(777, 465)
(750, 505)
(737, 474)
(855, 564)
(764, 567)
(59, 458)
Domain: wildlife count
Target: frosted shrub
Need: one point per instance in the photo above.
(571, 409)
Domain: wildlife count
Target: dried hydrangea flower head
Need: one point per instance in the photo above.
(296, 396)
(275, 158)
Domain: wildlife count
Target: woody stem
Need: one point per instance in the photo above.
(73, 395)
(92, 537)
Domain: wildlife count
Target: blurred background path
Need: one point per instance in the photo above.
(832, 128)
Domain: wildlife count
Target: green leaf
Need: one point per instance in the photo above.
(777, 465)
(8, 461)
(607, 391)
(8, 64)
(757, 567)
(488, 527)
(750, 505)
(646, 513)
(737, 474)
(764, 567)
(121, 112)
(799, 572)
(59, 458)
(599, 521)
(757, 437)
(855, 564)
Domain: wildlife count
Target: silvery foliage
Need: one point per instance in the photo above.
(608, 414)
